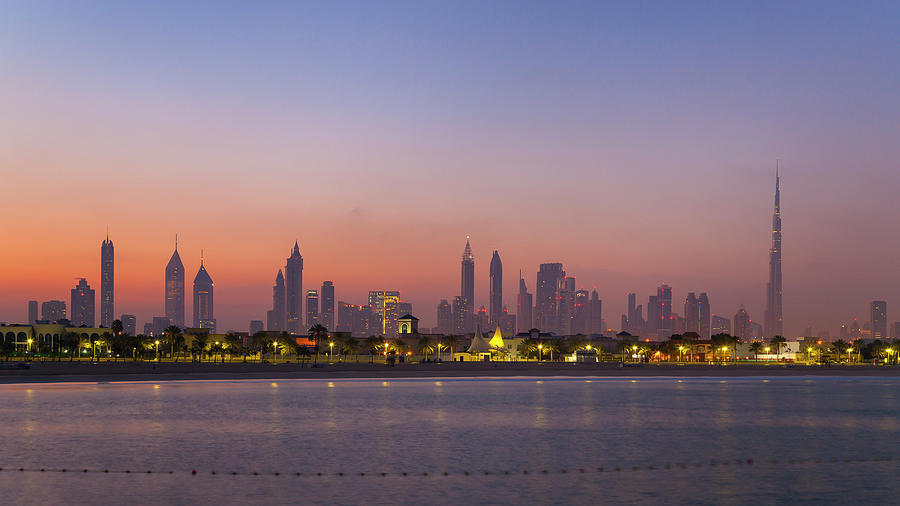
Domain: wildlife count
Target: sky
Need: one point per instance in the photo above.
(635, 142)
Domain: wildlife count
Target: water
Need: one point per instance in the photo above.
(454, 426)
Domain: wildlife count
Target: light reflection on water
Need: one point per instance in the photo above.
(454, 425)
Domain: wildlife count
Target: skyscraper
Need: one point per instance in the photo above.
(256, 326)
(704, 325)
(720, 325)
(32, 312)
(384, 304)
(53, 310)
(565, 305)
(664, 299)
(129, 324)
(275, 317)
(175, 289)
(496, 289)
(107, 264)
(293, 289)
(203, 298)
(524, 305)
(596, 323)
(581, 320)
(82, 304)
(326, 301)
(312, 308)
(692, 313)
(774, 320)
(879, 319)
(546, 290)
(460, 315)
(741, 324)
(467, 285)
(444, 318)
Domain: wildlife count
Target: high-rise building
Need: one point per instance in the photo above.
(293, 290)
(444, 318)
(160, 324)
(174, 293)
(652, 324)
(720, 325)
(549, 278)
(565, 305)
(596, 322)
(404, 309)
(32, 312)
(275, 319)
(524, 306)
(481, 318)
(895, 330)
(82, 304)
(345, 316)
(581, 320)
(774, 319)
(312, 308)
(467, 285)
(148, 329)
(692, 313)
(496, 289)
(384, 305)
(742, 324)
(878, 319)
(107, 276)
(461, 316)
(326, 301)
(129, 324)
(53, 310)
(204, 316)
(704, 325)
(664, 300)
(256, 326)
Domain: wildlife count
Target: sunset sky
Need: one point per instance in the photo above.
(635, 143)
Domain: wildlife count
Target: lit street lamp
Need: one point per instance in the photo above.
(540, 352)
(157, 349)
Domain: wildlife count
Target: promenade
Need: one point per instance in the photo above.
(48, 372)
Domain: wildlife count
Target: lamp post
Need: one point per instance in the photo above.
(766, 349)
(724, 353)
(809, 351)
(681, 353)
(157, 349)
(331, 350)
(540, 352)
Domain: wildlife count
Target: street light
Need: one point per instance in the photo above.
(540, 352)
(331, 350)
(157, 350)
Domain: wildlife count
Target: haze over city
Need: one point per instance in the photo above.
(601, 137)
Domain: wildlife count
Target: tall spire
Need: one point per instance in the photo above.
(176, 242)
(777, 189)
(467, 252)
(201, 257)
(774, 318)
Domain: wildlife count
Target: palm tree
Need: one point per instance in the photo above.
(777, 342)
(318, 332)
(858, 344)
(839, 346)
(452, 342)
(373, 344)
(756, 347)
(170, 332)
(350, 346)
(234, 344)
(198, 346)
(424, 347)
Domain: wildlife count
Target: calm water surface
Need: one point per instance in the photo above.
(455, 426)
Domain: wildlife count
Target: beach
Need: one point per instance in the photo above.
(55, 372)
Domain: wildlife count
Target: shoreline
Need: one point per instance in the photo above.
(111, 372)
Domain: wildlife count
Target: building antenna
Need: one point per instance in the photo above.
(201, 257)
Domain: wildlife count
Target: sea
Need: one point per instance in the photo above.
(699, 440)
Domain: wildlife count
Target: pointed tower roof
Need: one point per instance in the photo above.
(202, 275)
(175, 260)
(467, 252)
(279, 279)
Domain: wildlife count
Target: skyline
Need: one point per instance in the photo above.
(609, 138)
(552, 282)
